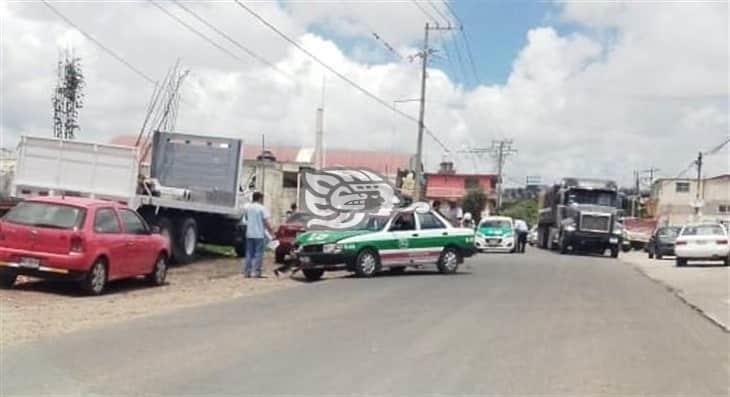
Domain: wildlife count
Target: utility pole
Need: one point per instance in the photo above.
(500, 150)
(651, 171)
(637, 194)
(699, 183)
(424, 54)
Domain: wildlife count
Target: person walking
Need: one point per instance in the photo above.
(522, 230)
(257, 224)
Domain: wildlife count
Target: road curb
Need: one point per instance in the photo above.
(678, 293)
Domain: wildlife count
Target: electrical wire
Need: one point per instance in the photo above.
(440, 13)
(338, 74)
(243, 48)
(195, 31)
(465, 36)
(98, 43)
(426, 13)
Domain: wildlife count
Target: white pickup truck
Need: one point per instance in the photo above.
(192, 193)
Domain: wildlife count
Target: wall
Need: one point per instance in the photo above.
(675, 208)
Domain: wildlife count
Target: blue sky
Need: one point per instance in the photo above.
(497, 31)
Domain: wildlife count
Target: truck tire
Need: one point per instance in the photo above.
(367, 263)
(659, 256)
(681, 262)
(167, 229)
(186, 239)
(313, 274)
(614, 252)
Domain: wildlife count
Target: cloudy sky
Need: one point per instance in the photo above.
(593, 89)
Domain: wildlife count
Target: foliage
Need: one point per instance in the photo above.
(524, 209)
(68, 97)
(474, 202)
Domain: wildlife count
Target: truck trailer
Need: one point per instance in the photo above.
(191, 194)
(580, 215)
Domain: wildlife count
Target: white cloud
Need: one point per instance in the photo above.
(640, 85)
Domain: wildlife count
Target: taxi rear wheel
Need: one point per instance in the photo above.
(367, 263)
(449, 260)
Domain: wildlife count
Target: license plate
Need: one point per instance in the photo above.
(31, 263)
(304, 259)
(700, 242)
(613, 240)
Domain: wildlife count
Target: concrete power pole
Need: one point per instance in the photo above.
(501, 149)
(424, 54)
(699, 185)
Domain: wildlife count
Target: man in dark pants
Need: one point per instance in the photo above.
(521, 230)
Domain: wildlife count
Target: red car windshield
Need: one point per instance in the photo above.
(55, 216)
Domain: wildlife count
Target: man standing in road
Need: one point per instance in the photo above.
(521, 229)
(257, 224)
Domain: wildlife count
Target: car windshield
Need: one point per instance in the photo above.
(498, 224)
(668, 232)
(55, 216)
(595, 197)
(703, 230)
(373, 224)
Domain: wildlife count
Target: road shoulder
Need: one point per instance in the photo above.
(704, 287)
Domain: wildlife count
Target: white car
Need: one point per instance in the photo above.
(496, 234)
(702, 242)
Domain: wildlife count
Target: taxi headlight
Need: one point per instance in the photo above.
(332, 248)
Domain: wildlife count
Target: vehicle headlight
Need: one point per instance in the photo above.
(569, 228)
(618, 231)
(332, 248)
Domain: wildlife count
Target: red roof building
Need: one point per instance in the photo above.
(382, 162)
(453, 187)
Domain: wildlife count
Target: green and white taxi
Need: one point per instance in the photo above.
(412, 236)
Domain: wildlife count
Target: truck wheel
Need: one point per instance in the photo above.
(681, 262)
(449, 261)
(186, 240)
(659, 256)
(651, 255)
(159, 271)
(95, 280)
(367, 263)
(313, 274)
(7, 280)
(614, 252)
(727, 261)
(240, 250)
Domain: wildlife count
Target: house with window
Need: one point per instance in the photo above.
(449, 186)
(674, 200)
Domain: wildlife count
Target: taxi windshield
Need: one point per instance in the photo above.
(496, 224)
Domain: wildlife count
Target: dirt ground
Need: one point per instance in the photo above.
(35, 309)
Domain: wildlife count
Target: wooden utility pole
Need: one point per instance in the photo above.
(699, 184)
(424, 54)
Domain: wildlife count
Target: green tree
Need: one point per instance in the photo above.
(524, 209)
(474, 202)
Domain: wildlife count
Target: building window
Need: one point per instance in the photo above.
(723, 208)
(471, 183)
(682, 187)
(290, 179)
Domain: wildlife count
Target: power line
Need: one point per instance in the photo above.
(195, 31)
(426, 13)
(717, 148)
(229, 38)
(335, 72)
(98, 43)
(388, 46)
(465, 36)
(440, 13)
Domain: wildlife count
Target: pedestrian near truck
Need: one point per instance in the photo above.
(257, 224)
(521, 229)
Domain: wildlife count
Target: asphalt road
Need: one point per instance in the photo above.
(538, 323)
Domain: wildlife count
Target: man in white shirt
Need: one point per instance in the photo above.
(257, 224)
(521, 229)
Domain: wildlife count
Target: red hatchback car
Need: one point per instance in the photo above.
(92, 241)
